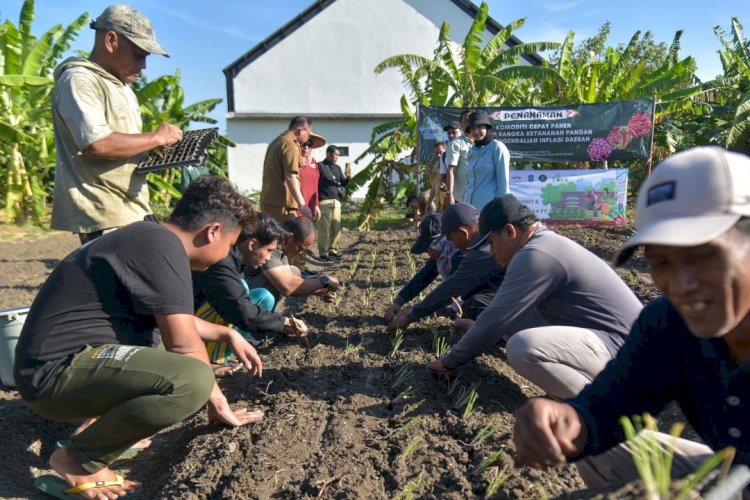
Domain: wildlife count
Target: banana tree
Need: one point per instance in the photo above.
(27, 145)
(468, 74)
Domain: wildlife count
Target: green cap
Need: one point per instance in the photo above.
(131, 23)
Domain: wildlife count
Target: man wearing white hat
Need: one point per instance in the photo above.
(691, 346)
(98, 128)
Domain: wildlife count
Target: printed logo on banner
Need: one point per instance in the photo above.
(574, 196)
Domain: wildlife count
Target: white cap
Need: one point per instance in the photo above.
(690, 199)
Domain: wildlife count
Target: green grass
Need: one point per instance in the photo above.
(387, 218)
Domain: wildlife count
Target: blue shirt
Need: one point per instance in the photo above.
(487, 173)
(661, 362)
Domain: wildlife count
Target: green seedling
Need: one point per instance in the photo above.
(339, 295)
(454, 384)
(466, 399)
(410, 408)
(485, 432)
(403, 395)
(404, 374)
(653, 459)
(396, 341)
(411, 488)
(440, 345)
(500, 477)
(411, 424)
(488, 462)
(353, 348)
(411, 447)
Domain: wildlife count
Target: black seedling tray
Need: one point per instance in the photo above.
(191, 150)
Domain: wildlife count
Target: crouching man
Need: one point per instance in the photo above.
(562, 310)
(691, 346)
(285, 280)
(222, 295)
(89, 344)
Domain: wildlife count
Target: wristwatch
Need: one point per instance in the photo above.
(325, 281)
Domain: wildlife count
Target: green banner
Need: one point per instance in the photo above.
(584, 132)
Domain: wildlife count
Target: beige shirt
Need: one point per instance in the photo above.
(90, 194)
(282, 157)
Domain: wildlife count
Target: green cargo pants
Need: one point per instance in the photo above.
(134, 391)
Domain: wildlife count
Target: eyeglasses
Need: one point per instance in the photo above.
(308, 144)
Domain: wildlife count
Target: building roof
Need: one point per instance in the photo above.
(313, 10)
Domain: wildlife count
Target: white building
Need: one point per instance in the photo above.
(340, 41)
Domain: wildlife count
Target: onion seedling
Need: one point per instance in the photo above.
(488, 462)
(396, 341)
(411, 447)
(500, 477)
(466, 399)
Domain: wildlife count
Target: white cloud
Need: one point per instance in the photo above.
(201, 23)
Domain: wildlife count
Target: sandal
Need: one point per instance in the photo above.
(59, 488)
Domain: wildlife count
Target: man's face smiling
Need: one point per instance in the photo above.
(709, 284)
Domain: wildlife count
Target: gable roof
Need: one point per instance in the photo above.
(313, 10)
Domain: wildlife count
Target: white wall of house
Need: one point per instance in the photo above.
(339, 47)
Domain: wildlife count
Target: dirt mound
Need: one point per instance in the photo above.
(350, 416)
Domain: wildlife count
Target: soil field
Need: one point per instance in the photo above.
(349, 416)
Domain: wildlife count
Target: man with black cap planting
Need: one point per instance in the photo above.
(475, 278)
(488, 168)
(98, 129)
(562, 310)
(456, 157)
(691, 346)
(441, 254)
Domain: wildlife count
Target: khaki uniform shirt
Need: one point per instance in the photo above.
(282, 157)
(90, 194)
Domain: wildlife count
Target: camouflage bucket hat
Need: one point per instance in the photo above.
(131, 23)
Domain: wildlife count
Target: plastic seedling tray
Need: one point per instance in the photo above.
(191, 150)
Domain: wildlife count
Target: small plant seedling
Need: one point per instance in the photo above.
(403, 374)
(410, 408)
(485, 432)
(396, 341)
(339, 295)
(653, 459)
(500, 477)
(466, 399)
(403, 395)
(488, 462)
(441, 346)
(454, 384)
(411, 424)
(411, 447)
(412, 487)
(353, 348)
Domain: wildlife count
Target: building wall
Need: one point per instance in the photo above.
(252, 138)
(340, 46)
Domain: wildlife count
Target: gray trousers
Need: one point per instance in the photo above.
(561, 360)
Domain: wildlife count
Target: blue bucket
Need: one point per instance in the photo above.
(11, 322)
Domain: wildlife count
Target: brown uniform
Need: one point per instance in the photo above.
(282, 157)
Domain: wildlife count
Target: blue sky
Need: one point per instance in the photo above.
(203, 37)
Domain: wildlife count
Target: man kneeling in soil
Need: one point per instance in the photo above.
(222, 296)
(562, 310)
(284, 280)
(89, 344)
(475, 278)
(691, 346)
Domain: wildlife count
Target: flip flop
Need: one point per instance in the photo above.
(59, 488)
(129, 453)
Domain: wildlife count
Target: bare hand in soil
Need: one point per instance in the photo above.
(392, 310)
(438, 370)
(400, 321)
(546, 432)
(246, 353)
(328, 297)
(220, 412)
(461, 326)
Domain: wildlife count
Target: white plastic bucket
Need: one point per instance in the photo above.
(11, 322)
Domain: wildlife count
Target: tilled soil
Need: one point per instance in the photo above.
(348, 416)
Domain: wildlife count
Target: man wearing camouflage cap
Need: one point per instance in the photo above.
(98, 128)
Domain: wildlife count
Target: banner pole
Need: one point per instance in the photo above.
(653, 127)
(418, 156)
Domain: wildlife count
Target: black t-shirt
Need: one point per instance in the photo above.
(221, 287)
(106, 292)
